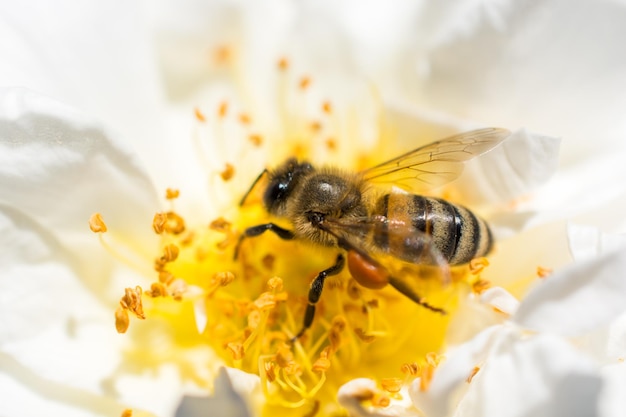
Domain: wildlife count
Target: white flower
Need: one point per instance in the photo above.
(140, 69)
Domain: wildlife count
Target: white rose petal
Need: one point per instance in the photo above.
(578, 298)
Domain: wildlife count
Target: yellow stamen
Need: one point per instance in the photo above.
(244, 118)
(223, 109)
(122, 321)
(472, 374)
(127, 413)
(199, 115)
(96, 223)
(228, 172)
(392, 385)
(172, 194)
(477, 265)
(256, 139)
(543, 272)
(304, 82)
(283, 64)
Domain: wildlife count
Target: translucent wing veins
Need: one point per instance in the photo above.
(437, 163)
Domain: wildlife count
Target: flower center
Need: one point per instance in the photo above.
(249, 309)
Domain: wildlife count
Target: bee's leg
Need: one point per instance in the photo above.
(260, 229)
(315, 293)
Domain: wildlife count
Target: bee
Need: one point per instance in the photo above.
(374, 228)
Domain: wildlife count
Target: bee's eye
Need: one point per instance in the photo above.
(275, 193)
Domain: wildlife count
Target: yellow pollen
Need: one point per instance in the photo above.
(428, 370)
(244, 118)
(480, 286)
(270, 371)
(166, 277)
(477, 265)
(199, 115)
(220, 225)
(322, 364)
(256, 139)
(169, 222)
(172, 194)
(362, 334)
(222, 109)
(96, 223)
(224, 278)
(127, 413)
(380, 400)
(130, 301)
(157, 289)
(315, 126)
(283, 64)
(275, 284)
(304, 83)
(158, 223)
(122, 321)
(222, 54)
(236, 349)
(331, 144)
(228, 172)
(170, 253)
(472, 374)
(411, 369)
(543, 272)
(327, 107)
(393, 385)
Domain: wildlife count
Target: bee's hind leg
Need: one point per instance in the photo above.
(315, 293)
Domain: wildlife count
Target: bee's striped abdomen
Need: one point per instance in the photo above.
(455, 231)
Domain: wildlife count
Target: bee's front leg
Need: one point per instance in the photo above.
(315, 292)
(260, 229)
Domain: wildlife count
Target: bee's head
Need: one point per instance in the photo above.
(282, 182)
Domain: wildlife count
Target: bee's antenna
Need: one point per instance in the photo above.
(245, 196)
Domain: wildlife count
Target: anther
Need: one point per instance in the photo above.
(283, 64)
(472, 374)
(96, 223)
(393, 385)
(543, 272)
(256, 139)
(236, 349)
(244, 118)
(228, 172)
(171, 193)
(304, 83)
(199, 115)
(477, 265)
(223, 109)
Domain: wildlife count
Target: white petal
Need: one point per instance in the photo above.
(516, 168)
(225, 401)
(612, 400)
(518, 375)
(500, 299)
(578, 298)
(25, 393)
(56, 169)
(449, 384)
(587, 242)
(73, 53)
(499, 65)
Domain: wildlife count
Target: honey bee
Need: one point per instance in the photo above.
(376, 229)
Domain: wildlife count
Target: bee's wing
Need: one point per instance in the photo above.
(409, 257)
(437, 163)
